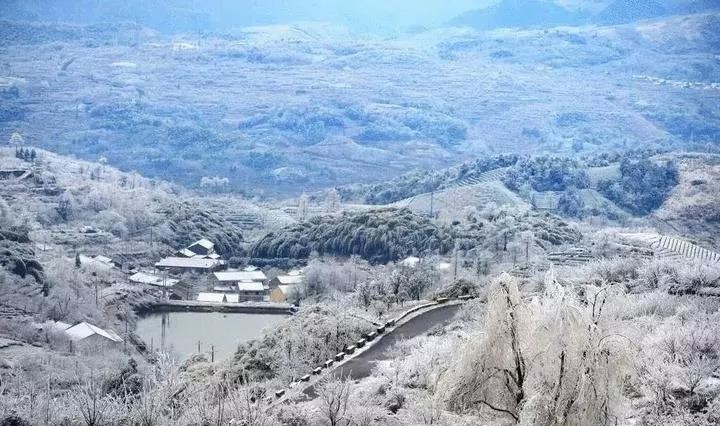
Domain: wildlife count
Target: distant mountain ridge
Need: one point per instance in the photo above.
(545, 13)
(177, 16)
(519, 13)
(626, 11)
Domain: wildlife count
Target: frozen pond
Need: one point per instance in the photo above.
(180, 332)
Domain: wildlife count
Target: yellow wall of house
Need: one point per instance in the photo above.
(277, 296)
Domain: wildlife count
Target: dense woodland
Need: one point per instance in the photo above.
(379, 236)
(546, 173)
(643, 185)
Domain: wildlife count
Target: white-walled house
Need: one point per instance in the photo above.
(88, 337)
(285, 280)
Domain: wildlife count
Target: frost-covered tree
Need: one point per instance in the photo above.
(334, 398)
(16, 139)
(555, 360)
(95, 406)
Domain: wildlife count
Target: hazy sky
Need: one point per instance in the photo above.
(369, 15)
(365, 13)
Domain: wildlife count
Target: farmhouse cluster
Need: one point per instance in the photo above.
(225, 285)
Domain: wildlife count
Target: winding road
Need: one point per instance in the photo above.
(362, 365)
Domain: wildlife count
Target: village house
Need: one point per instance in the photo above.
(212, 297)
(410, 261)
(198, 257)
(234, 277)
(180, 265)
(202, 248)
(224, 288)
(86, 336)
(251, 291)
(281, 293)
(152, 279)
(98, 263)
(285, 280)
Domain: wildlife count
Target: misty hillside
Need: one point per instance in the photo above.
(277, 107)
(174, 16)
(359, 213)
(519, 13)
(544, 14)
(625, 11)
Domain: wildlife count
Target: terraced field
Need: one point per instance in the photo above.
(667, 247)
(594, 201)
(675, 247)
(491, 176)
(571, 257)
(449, 203)
(495, 192)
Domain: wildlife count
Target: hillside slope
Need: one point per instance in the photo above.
(518, 14)
(323, 110)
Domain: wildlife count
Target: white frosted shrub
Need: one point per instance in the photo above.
(555, 360)
(678, 359)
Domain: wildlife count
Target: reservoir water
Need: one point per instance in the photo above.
(179, 333)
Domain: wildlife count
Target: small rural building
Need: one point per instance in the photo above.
(129, 261)
(181, 265)
(252, 291)
(184, 253)
(152, 279)
(203, 247)
(234, 277)
(212, 297)
(410, 261)
(285, 280)
(200, 249)
(442, 266)
(86, 336)
(280, 293)
(98, 263)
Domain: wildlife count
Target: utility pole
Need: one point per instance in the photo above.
(456, 260)
(527, 252)
(127, 329)
(432, 201)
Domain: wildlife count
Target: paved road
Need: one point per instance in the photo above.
(362, 365)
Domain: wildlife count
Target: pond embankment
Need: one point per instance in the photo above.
(196, 306)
